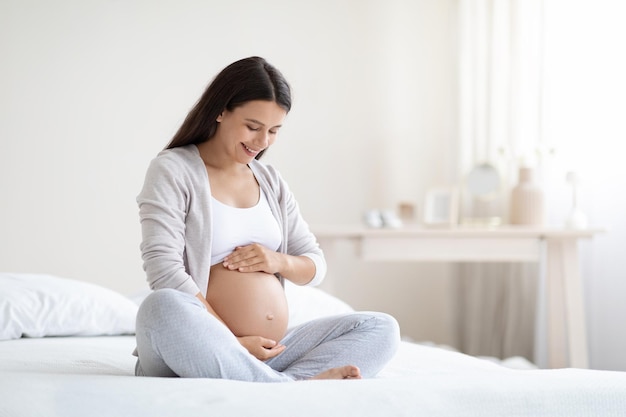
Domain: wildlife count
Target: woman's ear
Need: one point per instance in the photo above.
(220, 117)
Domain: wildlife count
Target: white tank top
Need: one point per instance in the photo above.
(234, 227)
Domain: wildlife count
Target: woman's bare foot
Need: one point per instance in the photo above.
(342, 372)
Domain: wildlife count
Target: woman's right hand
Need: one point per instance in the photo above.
(260, 347)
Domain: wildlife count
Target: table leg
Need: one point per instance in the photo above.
(555, 306)
(565, 307)
(574, 306)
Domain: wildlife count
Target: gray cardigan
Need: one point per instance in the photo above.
(176, 218)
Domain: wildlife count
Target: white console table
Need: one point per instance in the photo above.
(556, 249)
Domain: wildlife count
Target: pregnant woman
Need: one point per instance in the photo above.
(221, 232)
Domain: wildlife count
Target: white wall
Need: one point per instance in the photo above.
(92, 90)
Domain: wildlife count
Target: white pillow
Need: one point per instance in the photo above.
(37, 305)
(309, 303)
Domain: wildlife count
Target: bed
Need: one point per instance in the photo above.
(66, 351)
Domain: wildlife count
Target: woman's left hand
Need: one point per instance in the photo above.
(253, 258)
(260, 347)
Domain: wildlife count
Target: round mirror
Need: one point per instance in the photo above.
(483, 181)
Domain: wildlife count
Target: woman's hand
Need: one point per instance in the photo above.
(254, 258)
(260, 347)
(258, 258)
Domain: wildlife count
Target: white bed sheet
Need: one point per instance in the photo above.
(93, 376)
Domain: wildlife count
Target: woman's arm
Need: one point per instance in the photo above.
(298, 240)
(162, 212)
(298, 269)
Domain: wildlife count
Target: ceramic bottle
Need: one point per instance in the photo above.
(527, 200)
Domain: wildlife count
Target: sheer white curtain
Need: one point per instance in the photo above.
(501, 124)
(584, 116)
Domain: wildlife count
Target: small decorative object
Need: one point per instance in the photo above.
(527, 200)
(406, 212)
(576, 218)
(373, 219)
(481, 197)
(382, 218)
(390, 219)
(441, 207)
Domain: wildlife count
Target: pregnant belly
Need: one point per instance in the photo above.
(250, 303)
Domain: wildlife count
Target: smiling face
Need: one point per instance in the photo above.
(249, 129)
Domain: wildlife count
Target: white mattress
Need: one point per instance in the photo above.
(93, 376)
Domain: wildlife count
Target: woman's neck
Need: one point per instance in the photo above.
(215, 158)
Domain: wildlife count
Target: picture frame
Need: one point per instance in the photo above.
(441, 207)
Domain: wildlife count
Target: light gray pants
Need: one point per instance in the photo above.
(176, 336)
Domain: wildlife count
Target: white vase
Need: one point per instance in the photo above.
(527, 200)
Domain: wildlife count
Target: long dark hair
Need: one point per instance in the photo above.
(242, 81)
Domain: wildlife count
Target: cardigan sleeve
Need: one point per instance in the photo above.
(300, 241)
(162, 211)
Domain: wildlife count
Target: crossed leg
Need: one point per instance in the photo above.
(177, 337)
